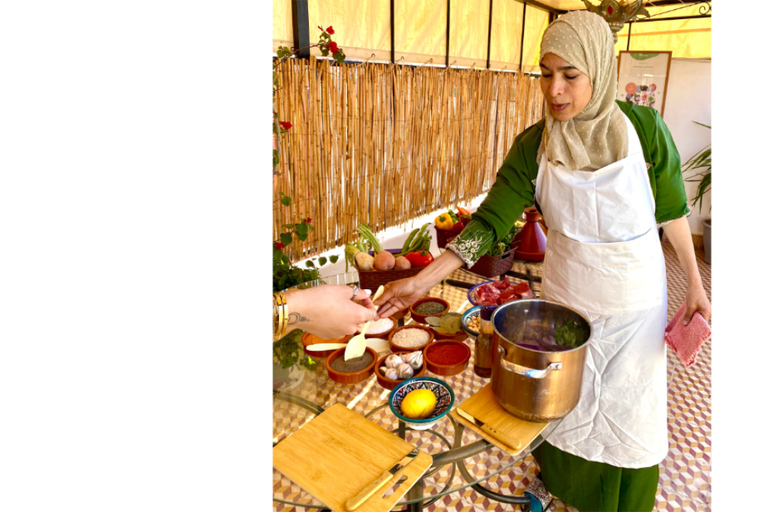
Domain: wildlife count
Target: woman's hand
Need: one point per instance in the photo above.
(404, 292)
(399, 295)
(679, 234)
(696, 300)
(328, 311)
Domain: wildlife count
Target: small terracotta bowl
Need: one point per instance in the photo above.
(391, 383)
(353, 377)
(401, 348)
(421, 318)
(383, 335)
(308, 340)
(447, 369)
(459, 336)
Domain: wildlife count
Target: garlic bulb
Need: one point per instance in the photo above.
(414, 359)
(404, 371)
(392, 373)
(393, 361)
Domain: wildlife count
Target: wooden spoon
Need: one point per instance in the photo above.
(356, 345)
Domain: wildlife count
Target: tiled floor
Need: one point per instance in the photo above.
(684, 484)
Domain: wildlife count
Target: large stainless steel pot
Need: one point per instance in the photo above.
(535, 385)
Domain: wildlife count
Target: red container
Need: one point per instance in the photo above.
(451, 368)
(531, 240)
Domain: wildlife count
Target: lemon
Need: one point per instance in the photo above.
(418, 404)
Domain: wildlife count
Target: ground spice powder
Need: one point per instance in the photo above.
(447, 354)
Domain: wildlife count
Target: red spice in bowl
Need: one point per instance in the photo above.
(447, 357)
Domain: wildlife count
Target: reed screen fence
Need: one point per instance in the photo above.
(383, 144)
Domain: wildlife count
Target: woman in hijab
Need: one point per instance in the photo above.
(605, 174)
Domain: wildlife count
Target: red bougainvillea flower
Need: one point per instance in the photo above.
(308, 220)
(279, 246)
(330, 30)
(333, 47)
(286, 125)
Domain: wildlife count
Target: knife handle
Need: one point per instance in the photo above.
(367, 492)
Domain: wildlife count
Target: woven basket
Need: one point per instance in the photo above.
(492, 266)
(444, 236)
(371, 280)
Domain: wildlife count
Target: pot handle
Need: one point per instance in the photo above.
(526, 372)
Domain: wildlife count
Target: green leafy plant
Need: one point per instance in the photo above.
(287, 351)
(701, 162)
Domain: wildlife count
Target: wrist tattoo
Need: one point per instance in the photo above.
(296, 318)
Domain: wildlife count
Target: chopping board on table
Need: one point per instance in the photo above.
(484, 407)
(336, 454)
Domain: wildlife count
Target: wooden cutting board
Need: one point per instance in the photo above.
(484, 407)
(339, 452)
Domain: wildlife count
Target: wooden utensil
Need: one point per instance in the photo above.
(356, 345)
(388, 474)
(319, 347)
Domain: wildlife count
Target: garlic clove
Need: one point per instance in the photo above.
(392, 373)
(404, 371)
(393, 361)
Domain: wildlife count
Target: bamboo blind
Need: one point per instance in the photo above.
(382, 144)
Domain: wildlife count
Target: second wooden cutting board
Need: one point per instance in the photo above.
(484, 407)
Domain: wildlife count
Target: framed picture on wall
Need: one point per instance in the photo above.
(643, 78)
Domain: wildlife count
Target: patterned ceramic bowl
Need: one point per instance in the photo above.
(471, 313)
(442, 391)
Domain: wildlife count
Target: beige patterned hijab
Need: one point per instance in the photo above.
(597, 136)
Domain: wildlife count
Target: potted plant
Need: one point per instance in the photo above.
(700, 165)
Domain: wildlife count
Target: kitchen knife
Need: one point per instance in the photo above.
(512, 443)
(357, 500)
(392, 488)
(459, 284)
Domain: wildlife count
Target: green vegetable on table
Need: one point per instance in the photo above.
(418, 240)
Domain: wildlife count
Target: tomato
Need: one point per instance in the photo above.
(419, 259)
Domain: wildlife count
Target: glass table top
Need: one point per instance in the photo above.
(461, 457)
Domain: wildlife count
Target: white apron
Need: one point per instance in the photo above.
(604, 259)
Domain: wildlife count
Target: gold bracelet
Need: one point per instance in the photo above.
(279, 314)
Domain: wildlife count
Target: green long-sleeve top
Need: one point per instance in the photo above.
(514, 188)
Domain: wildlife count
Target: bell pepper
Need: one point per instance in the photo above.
(419, 259)
(443, 221)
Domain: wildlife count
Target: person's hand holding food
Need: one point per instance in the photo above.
(329, 311)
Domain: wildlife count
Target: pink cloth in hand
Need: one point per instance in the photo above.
(686, 340)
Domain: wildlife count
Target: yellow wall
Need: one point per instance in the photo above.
(363, 30)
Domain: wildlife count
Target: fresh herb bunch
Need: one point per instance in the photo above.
(504, 244)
